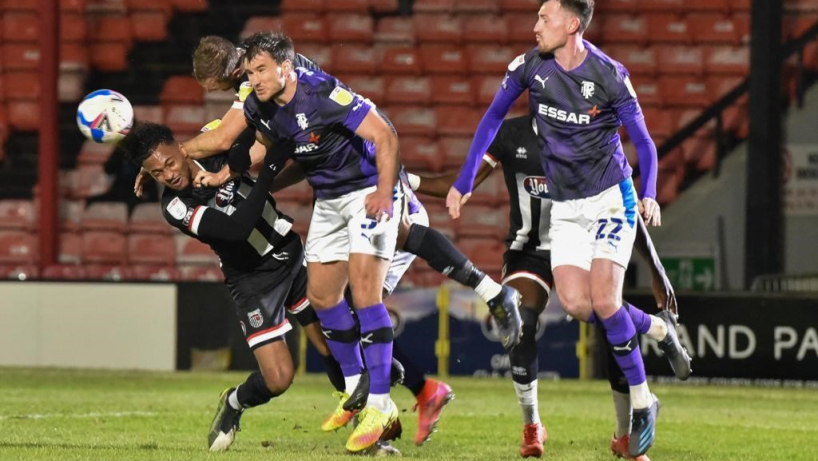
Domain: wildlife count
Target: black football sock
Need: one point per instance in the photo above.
(334, 373)
(253, 392)
(434, 248)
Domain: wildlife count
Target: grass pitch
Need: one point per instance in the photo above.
(101, 415)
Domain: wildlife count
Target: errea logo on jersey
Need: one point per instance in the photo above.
(563, 116)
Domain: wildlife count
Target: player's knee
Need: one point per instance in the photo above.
(279, 380)
(604, 305)
(575, 304)
(367, 295)
(322, 300)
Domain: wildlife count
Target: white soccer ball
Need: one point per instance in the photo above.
(105, 116)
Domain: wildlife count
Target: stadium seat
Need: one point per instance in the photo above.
(622, 28)
(21, 56)
(637, 59)
(109, 56)
(486, 88)
(443, 59)
(151, 249)
(740, 5)
(21, 27)
(727, 60)
(70, 214)
(190, 6)
(149, 26)
(305, 28)
(452, 90)
(346, 6)
(103, 247)
(302, 6)
(700, 152)
(69, 248)
(185, 118)
(708, 5)
(489, 59)
(64, 272)
(147, 218)
(492, 191)
(71, 85)
(89, 180)
(208, 273)
(420, 275)
(795, 25)
(191, 251)
(455, 150)
(384, 6)
(148, 113)
(107, 6)
(413, 121)
(181, 89)
(465, 7)
(369, 87)
(660, 122)
(18, 247)
(433, 6)
(420, 154)
(684, 92)
(17, 214)
(19, 272)
(108, 272)
(801, 5)
(359, 59)
(680, 60)
(110, 28)
(21, 86)
(485, 28)
(155, 273)
(438, 28)
(662, 5)
(521, 30)
(111, 216)
(668, 184)
(486, 252)
(439, 217)
(262, 24)
(319, 54)
(706, 28)
(400, 60)
(618, 5)
(520, 6)
(647, 91)
(395, 29)
(683, 117)
(94, 153)
(408, 90)
(667, 28)
(24, 115)
(74, 6)
(73, 27)
(350, 28)
(457, 120)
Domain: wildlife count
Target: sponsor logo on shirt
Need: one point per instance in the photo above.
(177, 208)
(563, 116)
(226, 194)
(536, 187)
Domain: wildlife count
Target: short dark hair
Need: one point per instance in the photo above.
(582, 8)
(143, 139)
(215, 57)
(278, 45)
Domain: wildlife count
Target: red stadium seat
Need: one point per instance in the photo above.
(667, 28)
(156, 273)
(17, 214)
(668, 185)
(148, 113)
(21, 56)
(660, 122)
(408, 90)
(21, 27)
(492, 191)
(486, 88)
(348, 6)
(455, 149)
(521, 30)
(18, 247)
(618, 5)
(109, 56)
(401, 60)
(107, 6)
(190, 6)
(94, 153)
(433, 6)
(73, 27)
(305, 28)
(191, 251)
(71, 85)
(521, 6)
(683, 117)
(108, 272)
(801, 5)
(112, 216)
(110, 28)
(75, 6)
(19, 272)
(457, 120)
(443, 59)
(662, 5)
(90, 180)
(73, 57)
(147, 218)
(684, 92)
(302, 6)
(727, 60)
(488, 59)
(163, 6)
(485, 28)
(208, 273)
(181, 89)
(794, 25)
(438, 28)
(623, 28)
(358, 59)
(647, 91)
(349, 28)
(103, 247)
(476, 6)
(421, 154)
(714, 28)
(708, 5)
(24, 115)
(700, 152)
(262, 24)
(452, 90)
(637, 59)
(384, 6)
(64, 272)
(185, 117)
(149, 26)
(318, 54)
(372, 88)
(718, 86)
(70, 214)
(482, 220)
(151, 249)
(413, 121)
(680, 60)
(394, 29)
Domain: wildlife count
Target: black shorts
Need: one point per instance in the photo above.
(262, 296)
(533, 265)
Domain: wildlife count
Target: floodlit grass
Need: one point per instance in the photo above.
(100, 415)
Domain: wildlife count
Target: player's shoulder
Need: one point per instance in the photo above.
(325, 87)
(174, 207)
(610, 66)
(527, 59)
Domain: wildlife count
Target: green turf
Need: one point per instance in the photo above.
(98, 415)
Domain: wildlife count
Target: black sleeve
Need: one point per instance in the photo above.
(239, 159)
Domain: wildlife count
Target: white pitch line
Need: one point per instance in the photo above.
(116, 414)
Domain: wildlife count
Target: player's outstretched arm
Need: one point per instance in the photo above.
(438, 186)
(219, 139)
(373, 128)
(661, 286)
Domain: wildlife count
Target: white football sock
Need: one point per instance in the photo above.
(622, 408)
(487, 289)
(233, 399)
(641, 397)
(658, 328)
(380, 401)
(527, 397)
(350, 383)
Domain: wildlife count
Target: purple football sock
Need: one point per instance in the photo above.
(622, 336)
(342, 339)
(641, 320)
(376, 338)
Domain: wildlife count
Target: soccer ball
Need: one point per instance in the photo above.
(105, 116)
